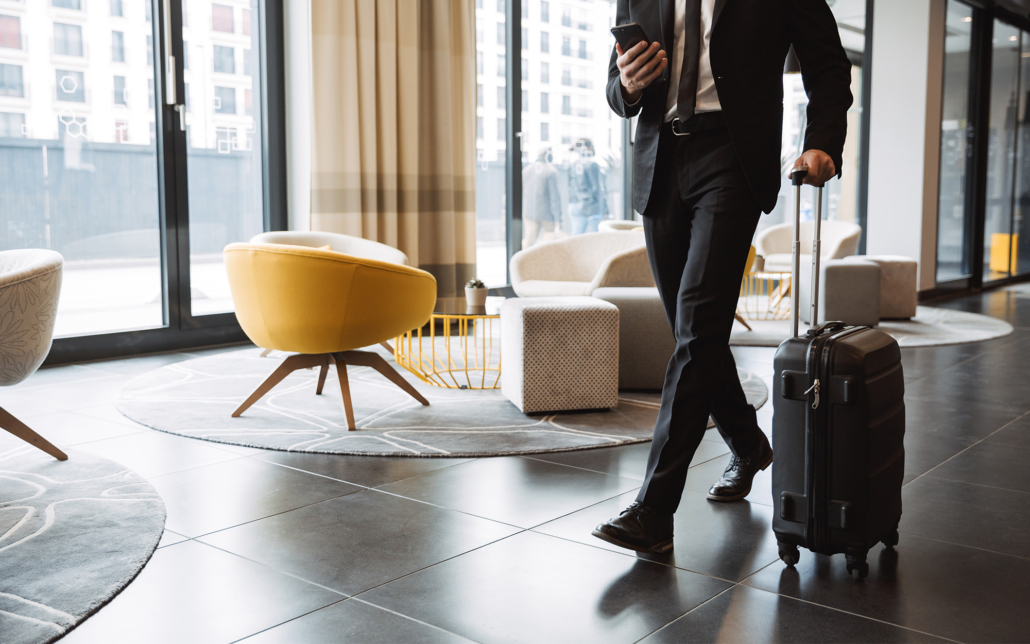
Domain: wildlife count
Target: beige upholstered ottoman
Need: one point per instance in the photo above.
(560, 353)
(899, 288)
(646, 341)
(849, 292)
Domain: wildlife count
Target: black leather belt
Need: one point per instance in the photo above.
(698, 123)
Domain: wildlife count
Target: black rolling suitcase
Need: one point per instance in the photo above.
(838, 431)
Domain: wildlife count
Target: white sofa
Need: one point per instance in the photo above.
(619, 225)
(839, 240)
(30, 285)
(356, 246)
(578, 265)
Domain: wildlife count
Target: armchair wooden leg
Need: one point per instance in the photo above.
(288, 366)
(387, 346)
(341, 375)
(374, 360)
(740, 319)
(265, 352)
(322, 373)
(22, 431)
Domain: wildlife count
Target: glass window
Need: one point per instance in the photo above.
(185, 55)
(583, 49)
(10, 32)
(246, 16)
(116, 8)
(67, 39)
(524, 69)
(566, 105)
(120, 96)
(525, 9)
(11, 81)
(501, 68)
(566, 17)
(525, 36)
(500, 129)
(500, 6)
(566, 46)
(479, 95)
(544, 107)
(150, 50)
(952, 216)
(545, 73)
(545, 134)
(1021, 202)
(71, 190)
(500, 97)
(566, 76)
(502, 37)
(545, 42)
(225, 100)
(221, 18)
(479, 127)
(68, 4)
(525, 101)
(118, 46)
(71, 86)
(12, 126)
(545, 11)
(998, 238)
(479, 62)
(224, 59)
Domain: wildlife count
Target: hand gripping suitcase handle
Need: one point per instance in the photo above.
(797, 179)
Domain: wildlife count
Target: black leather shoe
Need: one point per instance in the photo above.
(735, 483)
(639, 528)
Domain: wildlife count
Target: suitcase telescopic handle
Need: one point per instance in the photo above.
(797, 179)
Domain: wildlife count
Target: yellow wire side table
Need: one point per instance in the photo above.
(765, 296)
(462, 349)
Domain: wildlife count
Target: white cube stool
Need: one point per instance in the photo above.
(560, 353)
(899, 288)
(646, 341)
(849, 292)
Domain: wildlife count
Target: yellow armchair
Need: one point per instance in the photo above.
(321, 306)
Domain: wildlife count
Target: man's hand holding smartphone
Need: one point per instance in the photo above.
(639, 67)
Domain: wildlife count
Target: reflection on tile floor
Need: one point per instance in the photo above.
(275, 547)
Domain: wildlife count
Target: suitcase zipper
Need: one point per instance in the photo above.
(815, 388)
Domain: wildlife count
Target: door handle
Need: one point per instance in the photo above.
(170, 79)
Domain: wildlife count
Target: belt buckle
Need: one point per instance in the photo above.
(674, 122)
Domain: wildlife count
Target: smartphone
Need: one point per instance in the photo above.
(629, 35)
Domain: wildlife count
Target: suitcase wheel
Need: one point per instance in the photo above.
(857, 567)
(789, 554)
(891, 539)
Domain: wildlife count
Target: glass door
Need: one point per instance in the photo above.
(79, 156)
(957, 149)
(1020, 259)
(138, 138)
(221, 71)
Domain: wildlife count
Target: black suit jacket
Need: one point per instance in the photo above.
(749, 43)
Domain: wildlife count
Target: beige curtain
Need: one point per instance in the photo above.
(393, 138)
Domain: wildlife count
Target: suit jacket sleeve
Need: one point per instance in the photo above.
(614, 90)
(826, 72)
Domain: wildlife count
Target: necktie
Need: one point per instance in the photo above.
(687, 97)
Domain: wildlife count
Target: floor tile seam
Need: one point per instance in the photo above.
(847, 612)
(414, 619)
(103, 375)
(64, 444)
(963, 451)
(275, 514)
(433, 565)
(444, 507)
(272, 568)
(678, 618)
(964, 361)
(633, 555)
(990, 487)
(457, 461)
(963, 545)
(125, 419)
(185, 469)
(575, 467)
(247, 637)
(585, 507)
(297, 469)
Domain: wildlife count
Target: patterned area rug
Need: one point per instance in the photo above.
(931, 327)
(73, 534)
(196, 398)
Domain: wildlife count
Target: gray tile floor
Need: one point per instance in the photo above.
(274, 547)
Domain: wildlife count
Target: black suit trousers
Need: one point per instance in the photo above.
(699, 223)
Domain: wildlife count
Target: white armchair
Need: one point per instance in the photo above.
(356, 246)
(30, 284)
(840, 240)
(578, 265)
(619, 225)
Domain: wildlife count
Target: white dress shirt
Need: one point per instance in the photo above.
(707, 96)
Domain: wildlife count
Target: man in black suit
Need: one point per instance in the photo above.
(706, 163)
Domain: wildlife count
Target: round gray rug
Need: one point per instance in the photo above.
(196, 398)
(73, 534)
(931, 327)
